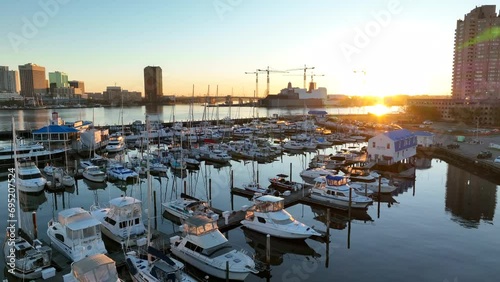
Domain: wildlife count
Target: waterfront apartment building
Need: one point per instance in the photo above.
(9, 80)
(153, 84)
(473, 111)
(115, 95)
(476, 61)
(59, 78)
(33, 80)
(77, 85)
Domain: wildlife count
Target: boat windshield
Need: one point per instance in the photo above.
(336, 181)
(30, 176)
(269, 206)
(201, 229)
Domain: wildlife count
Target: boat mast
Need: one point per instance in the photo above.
(148, 177)
(16, 173)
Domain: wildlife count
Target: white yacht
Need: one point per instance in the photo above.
(184, 208)
(312, 173)
(255, 187)
(94, 173)
(122, 221)
(160, 268)
(370, 180)
(63, 177)
(116, 144)
(119, 172)
(25, 260)
(29, 178)
(95, 268)
(205, 247)
(334, 189)
(268, 216)
(76, 234)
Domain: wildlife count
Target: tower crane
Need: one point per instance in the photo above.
(305, 68)
(313, 75)
(267, 70)
(256, 93)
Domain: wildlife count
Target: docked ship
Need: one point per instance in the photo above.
(297, 97)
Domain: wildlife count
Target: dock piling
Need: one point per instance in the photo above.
(378, 195)
(156, 212)
(35, 227)
(268, 249)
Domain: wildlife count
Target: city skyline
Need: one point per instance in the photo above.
(395, 47)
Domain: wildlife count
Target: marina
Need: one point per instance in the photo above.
(347, 237)
(221, 191)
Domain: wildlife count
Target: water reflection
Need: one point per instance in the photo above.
(423, 163)
(30, 202)
(279, 247)
(339, 218)
(469, 197)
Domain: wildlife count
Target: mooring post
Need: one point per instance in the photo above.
(379, 188)
(290, 172)
(268, 249)
(210, 191)
(185, 187)
(35, 227)
(227, 271)
(350, 203)
(156, 218)
(232, 179)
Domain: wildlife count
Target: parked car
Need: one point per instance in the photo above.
(497, 160)
(484, 155)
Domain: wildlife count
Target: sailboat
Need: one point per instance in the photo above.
(24, 258)
(162, 267)
(254, 185)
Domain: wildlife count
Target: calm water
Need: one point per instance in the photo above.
(442, 228)
(34, 119)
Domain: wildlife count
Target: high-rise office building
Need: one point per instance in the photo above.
(476, 62)
(4, 78)
(33, 80)
(13, 82)
(153, 85)
(59, 78)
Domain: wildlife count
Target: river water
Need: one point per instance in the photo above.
(36, 118)
(442, 227)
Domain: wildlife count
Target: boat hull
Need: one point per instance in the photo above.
(211, 270)
(266, 229)
(94, 178)
(340, 202)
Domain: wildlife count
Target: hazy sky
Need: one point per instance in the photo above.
(403, 46)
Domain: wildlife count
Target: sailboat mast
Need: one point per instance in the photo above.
(16, 173)
(148, 177)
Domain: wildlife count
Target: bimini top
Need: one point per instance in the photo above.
(269, 198)
(99, 267)
(123, 201)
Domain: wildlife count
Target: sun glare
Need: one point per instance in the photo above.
(379, 110)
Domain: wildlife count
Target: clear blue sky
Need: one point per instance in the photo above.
(215, 41)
